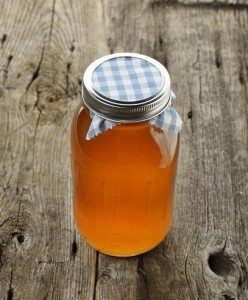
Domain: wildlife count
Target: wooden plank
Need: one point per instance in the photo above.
(43, 51)
(206, 72)
(44, 47)
(21, 52)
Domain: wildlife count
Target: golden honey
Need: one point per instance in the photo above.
(123, 183)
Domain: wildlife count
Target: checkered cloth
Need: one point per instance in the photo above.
(127, 79)
(168, 120)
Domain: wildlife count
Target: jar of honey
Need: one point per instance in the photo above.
(124, 150)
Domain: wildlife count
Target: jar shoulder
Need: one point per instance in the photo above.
(133, 143)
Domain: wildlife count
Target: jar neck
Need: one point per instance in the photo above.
(121, 126)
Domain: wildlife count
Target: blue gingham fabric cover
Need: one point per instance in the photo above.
(127, 79)
(130, 79)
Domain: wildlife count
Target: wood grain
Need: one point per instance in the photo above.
(45, 46)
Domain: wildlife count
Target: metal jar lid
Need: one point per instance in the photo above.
(126, 87)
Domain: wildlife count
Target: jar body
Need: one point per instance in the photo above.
(123, 185)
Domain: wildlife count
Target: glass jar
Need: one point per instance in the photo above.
(123, 183)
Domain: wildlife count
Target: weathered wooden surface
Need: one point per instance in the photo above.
(44, 46)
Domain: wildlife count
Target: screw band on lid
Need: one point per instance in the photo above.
(126, 87)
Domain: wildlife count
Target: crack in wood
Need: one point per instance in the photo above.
(70, 89)
(68, 70)
(20, 238)
(196, 65)
(1, 256)
(243, 277)
(79, 82)
(5, 221)
(6, 69)
(217, 61)
(187, 276)
(200, 89)
(218, 46)
(161, 43)
(200, 4)
(74, 248)
(242, 77)
(3, 39)
(103, 13)
(35, 132)
(228, 296)
(110, 45)
(37, 71)
(190, 114)
(52, 21)
(19, 208)
(19, 195)
(142, 274)
(10, 291)
(141, 45)
(160, 47)
(37, 102)
(40, 110)
(96, 275)
(72, 47)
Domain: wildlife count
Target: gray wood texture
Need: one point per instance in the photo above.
(44, 47)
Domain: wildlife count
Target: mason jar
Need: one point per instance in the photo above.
(124, 151)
